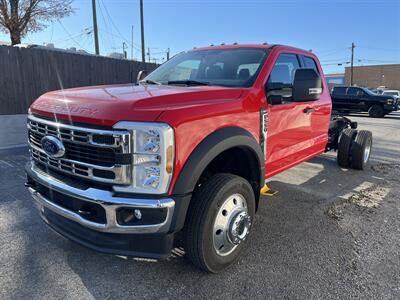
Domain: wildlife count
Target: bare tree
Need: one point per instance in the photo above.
(17, 17)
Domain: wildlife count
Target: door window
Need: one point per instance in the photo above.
(352, 91)
(284, 69)
(339, 91)
(283, 73)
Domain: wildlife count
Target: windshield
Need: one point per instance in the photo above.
(369, 92)
(228, 67)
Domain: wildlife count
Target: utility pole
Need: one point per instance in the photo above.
(95, 30)
(132, 44)
(148, 54)
(123, 49)
(168, 52)
(142, 31)
(352, 64)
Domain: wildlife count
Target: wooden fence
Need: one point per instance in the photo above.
(25, 74)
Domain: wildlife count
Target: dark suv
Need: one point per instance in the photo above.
(358, 99)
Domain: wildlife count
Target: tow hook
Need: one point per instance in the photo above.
(29, 184)
(84, 213)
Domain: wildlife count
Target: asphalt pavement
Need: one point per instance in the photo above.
(329, 233)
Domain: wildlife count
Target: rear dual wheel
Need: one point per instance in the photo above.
(361, 149)
(219, 222)
(344, 149)
(354, 148)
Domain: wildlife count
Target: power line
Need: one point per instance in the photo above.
(72, 38)
(86, 31)
(334, 59)
(331, 52)
(380, 49)
(121, 38)
(378, 60)
(111, 37)
(337, 63)
(112, 22)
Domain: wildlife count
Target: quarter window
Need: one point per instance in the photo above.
(309, 63)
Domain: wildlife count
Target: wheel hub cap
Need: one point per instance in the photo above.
(239, 228)
(232, 225)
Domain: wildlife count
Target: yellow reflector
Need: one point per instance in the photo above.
(169, 160)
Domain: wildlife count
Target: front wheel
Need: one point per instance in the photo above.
(376, 111)
(219, 222)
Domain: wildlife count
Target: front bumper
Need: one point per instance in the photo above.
(153, 240)
(391, 107)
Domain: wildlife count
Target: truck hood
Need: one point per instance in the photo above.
(107, 105)
(383, 97)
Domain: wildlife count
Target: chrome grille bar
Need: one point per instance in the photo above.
(93, 146)
(80, 135)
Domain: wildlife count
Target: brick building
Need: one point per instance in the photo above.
(334, 79)
(375, 76)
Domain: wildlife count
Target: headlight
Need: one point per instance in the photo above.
(153, 151)
(389, 101)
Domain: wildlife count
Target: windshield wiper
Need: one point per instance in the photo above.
(188, 82)
(148, 81)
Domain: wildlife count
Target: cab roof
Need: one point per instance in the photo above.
(255, 46)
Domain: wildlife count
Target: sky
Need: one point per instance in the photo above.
(328, 27)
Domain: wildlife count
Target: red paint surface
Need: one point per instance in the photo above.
(195, 112)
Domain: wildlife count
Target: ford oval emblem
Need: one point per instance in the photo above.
(52, 146)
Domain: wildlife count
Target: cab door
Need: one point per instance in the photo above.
(339, 98)
(292, 136)
(354, 97)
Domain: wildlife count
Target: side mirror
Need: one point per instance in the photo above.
(142, 74)
(275, 99)
(275, 92)
(307, 85)
(274, 86)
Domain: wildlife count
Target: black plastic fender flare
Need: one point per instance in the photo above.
(214, 144)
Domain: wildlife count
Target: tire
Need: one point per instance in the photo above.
(344, 148)
(207, 206)
(361, 149)
(376, 111)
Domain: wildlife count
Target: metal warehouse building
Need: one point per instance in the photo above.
(375, 76)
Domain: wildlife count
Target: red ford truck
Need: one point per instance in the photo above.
(125, 169)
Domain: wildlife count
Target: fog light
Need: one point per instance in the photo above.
(125, 216)
(143, 216)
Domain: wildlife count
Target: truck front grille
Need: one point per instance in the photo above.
(98, 155)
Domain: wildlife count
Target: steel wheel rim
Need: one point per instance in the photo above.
(231, 225)
(367, 152)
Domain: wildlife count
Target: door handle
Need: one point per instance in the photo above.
(308, 110)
